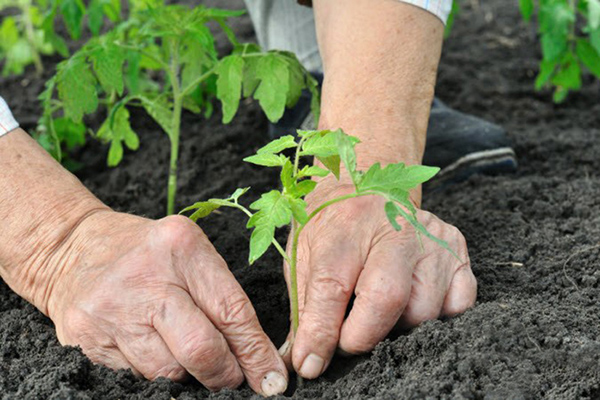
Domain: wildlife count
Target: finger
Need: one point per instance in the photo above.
(462, 292)
(334, 271)
(230, 310)
(150, 355)
(196, 344)
(111, 358)
(430, 283)
(382, 293)
(285, 351)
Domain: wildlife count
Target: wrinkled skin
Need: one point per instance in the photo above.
(155, 297)
(352, 249)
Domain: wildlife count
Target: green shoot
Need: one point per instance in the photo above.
(164, 60)
(566, 50)
(285, 207)
(28, 33)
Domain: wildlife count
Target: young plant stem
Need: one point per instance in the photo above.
(30, 35)
(175, 129)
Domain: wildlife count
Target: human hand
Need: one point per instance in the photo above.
(351, 248)
(155, 297)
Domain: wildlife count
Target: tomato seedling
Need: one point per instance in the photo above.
(28, 32)
(164, 60)
(566, 49)
(279, 208)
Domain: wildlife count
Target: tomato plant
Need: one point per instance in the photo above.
(164, 60)
(570, 40)
(279, 208)
(29, 30)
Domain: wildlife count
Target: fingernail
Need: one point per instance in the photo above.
(273, 383)
(312, 366)
(284, 348)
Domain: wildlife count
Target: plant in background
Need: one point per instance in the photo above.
(164, 60)
(279, 208)
(29, 30)
(570, 39)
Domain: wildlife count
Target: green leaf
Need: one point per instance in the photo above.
(588, 56)
(313, 171)
(345, 145)
(108, 63)
(287, 179)
(555, 20)
(238, 193)
(303, 188)
(412, 219)
(273, 208)
(96, 16)
(260, 241)
(315, 97)
(73, 12)
(76, 88)
(117, 130)
(332, 163)
(266, 160)
(271, 93)
(323, 144)
(160, 111)
(593, 14)
(526, 7)
(569, 74)
(298, 207)
(547, 69)
(392, 213)
(229, 85)
(278, 145)
(395, 177)
(202, 209)
(595, 39)
(69, 132)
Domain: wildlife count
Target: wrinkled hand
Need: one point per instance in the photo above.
(155, 297)
(351, 248)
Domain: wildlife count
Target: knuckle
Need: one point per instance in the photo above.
(236, 311)
(332, 286)
(178, 230)
(205, 352)
(175, 372)
(385, 299)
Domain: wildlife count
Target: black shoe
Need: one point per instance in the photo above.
(460, 144)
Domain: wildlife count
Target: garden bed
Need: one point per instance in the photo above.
(533, 237)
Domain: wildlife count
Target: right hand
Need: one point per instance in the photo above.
(155, 297)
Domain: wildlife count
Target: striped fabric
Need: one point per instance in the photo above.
(439, 8)
(7, 121)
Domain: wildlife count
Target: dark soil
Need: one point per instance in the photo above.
(534, 244)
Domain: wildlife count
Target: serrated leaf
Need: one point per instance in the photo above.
(313, 170)
(332, 163)
(260, 241)
(286, 176)
(73, 12)
(266, 160)
(272, 92)
(77, 88)
(323, 144)
(588, 56)
(395, 177)
(273, 209)
(345, 145)
(202, 209)
(412, 219)
(278, 145)
(69, 132)
(526, 7)
(95, 16)
(303, 188)
(160, 111)
(392, 213)
(108, 61)
(229, 85)
(298, 207)
(117, 130)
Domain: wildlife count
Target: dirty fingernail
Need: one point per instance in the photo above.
(273, 383)
(284, 348)
(312, 366)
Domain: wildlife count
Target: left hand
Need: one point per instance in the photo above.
(351, 248)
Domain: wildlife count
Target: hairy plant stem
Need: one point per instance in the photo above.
(175, 128)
